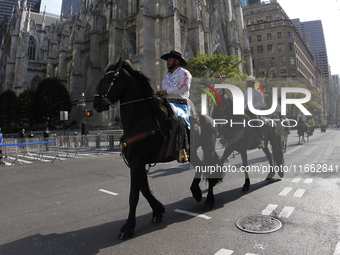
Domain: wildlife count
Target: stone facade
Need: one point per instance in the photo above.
(78, 49)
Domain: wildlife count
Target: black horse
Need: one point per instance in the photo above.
(146, 131)
(302, 129)
(241, 138)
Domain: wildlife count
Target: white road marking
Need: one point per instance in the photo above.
(224, 252)
(292, 150)
(286, 212)
(297, 179)
(269, 209)
(310, 151)
(21, 160)
(109, 192)
(308, 180)
(299, 193)
(193, 214)
(285, 191)
(337, 249)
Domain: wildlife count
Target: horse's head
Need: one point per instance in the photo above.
(224, 110)
(106, 91)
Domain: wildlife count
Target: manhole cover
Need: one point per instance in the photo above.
(259, 224)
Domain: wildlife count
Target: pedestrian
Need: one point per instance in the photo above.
(22, 138)
(46, 135)
(31, 134)
(258, 103)
(1, 141)
(175, 87)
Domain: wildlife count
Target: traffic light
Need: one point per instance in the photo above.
(88, 113)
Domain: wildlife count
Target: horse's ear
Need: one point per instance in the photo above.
(120, 62)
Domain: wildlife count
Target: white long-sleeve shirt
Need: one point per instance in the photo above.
(180, 89)
(258, 100)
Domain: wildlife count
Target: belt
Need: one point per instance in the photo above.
(177, 101)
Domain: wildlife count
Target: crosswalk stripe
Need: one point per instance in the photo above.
(337, 249)
(285, 191)
(286, 212)
(269, 209)
(297, 179)
(193, 214)
(308, 180)
(224, 252)
(299, 193)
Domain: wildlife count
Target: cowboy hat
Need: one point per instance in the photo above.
(176, 55)
(250, 78)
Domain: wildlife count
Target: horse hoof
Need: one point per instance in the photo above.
(245, 188)
(270, 176)
(125, 236)
(208, 207)
(157, 219)
(281, 173)
(196, 193)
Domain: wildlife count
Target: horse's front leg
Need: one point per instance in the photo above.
(195, 187)
(244, 157)
(157, 207)
(128, 228)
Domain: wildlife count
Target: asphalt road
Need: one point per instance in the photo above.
(77, 206)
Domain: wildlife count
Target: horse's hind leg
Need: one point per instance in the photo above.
(157, 207)
(246, 184)
(210, 201)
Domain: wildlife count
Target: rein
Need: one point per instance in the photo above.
(107, 100)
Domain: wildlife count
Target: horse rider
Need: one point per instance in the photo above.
(258, 103)
(302, 117)
(176, 85)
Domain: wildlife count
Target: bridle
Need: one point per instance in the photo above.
(105, 96)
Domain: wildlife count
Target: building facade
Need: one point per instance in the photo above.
(78, 49)
(70, 7)
(312, 33)
(7, 8)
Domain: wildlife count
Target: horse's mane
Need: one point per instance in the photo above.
(137, 75)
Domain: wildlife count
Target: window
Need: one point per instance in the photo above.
(87, 32)
(289, 34)
(31, 48)
(282, 60)
(293, 73)
(261, 63)
(271, 61)
(290, 46)
(251, 50)
(292, 60)
(250, 41)
(269, 18)
(269, 36)
(280, 47)
(279, 35)
(272, 73)
(259, 49)
(259, 38)
(270, 48)
(283, 73)
(261, 74)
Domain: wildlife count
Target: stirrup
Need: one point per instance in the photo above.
(183, 156)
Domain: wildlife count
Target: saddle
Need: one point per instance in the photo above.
(176, 144)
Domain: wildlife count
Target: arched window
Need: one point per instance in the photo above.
(31, 48)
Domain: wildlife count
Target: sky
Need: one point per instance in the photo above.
(328, 11)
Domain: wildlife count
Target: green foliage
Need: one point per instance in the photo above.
(50, 98)
(24, 108)
(7, 110)
(34, 107)
(215, 66)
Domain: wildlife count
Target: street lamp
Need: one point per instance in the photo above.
(267, 83)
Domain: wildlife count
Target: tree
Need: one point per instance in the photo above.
(7, 110)
(213, 69)
(50, 98)
(25, 108)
